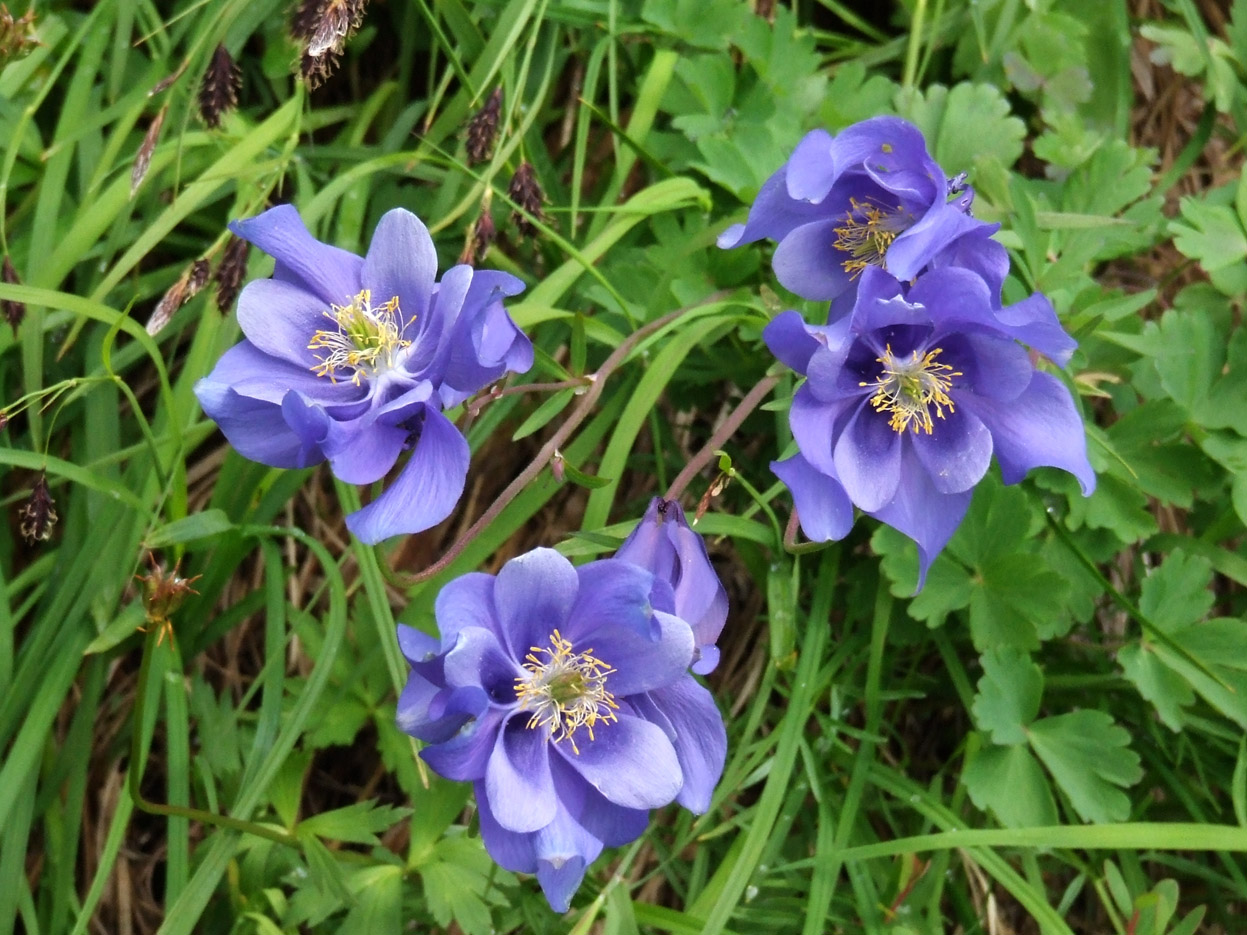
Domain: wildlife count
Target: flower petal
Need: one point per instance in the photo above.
(922, 513)
(611, 824)
(484, 342)
(466, 601)
(401, 262)
(251, 372)
(425, 491)
(1041, 427)
(957, 453)
(1033, 321)
(564, 852)
(917, 246)
(280, 319)
(477, 658)
(614, 594)
(868, 458)
(534, 594)
(815, 424)
(511, 850)
(330, 273)
(805, 262)
(773, 214)
(824, 508)
(464, 757)
(811, 168)
(630, 762)
(517, 779)
(256, 428)
(641, 662)
(790, 340)
(698, 735)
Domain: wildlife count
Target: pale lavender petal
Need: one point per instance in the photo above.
(517, 778)
(805, 262)
(254, 427)
(641, 662)
(957, 453)
(426, 489)
(401, 262)
(416, 645)
(789, 339)
(876, 139)
(564, 851)
(823, 507)
(479, 659)
(1033, 321)
(815, 426)
(630, 762)
(697, 733)
(309, 421)
(484, 343)
(1041, 427)
(331, 274)
(511, 850)
(989, 364)
(918, 245)
(611, 824)
(250, 372)
(923, 513)
(367, 452)
(978, 253)
(534, 595)
(612, 594)
(868, 458)
(280, 318)
(811, 168)
(773, 215)
(466, 601)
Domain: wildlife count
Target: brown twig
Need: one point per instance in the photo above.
(596, 383)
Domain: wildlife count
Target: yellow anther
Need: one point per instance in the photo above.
(565, 690)
(909, 388)
(865, 234)
(363, 339)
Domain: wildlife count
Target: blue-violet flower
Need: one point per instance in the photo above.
(907, 398)
(664, 544)
(563, 695)
(871, 196)
(352, 359)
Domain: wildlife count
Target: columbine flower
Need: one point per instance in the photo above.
(869, 197)
(664, 544)
(908, 397)
(352, 360)
(563, 694)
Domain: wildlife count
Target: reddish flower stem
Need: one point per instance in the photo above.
(584, 406)
(721, 435)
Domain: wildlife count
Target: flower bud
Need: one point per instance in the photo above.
(664, 544)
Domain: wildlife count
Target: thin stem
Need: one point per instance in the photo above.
(595, 385)
(791, 545)
(721, 435)
(484, 399)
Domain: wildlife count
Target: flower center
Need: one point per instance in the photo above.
(910, 387)
(865, 234)
(363, 338)
(565, 690)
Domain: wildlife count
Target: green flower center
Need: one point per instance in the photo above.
(565, 690)
(910, 388)
(865, 233)
(363, 338)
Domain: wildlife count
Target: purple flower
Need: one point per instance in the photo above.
(352, 359)
(563, 695)
(908, 397)
(664, 544)
(869, 197)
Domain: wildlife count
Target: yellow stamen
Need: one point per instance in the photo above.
(865, 234)
(910, 387)
(565, 690)
(363, 339)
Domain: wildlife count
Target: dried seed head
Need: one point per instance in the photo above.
(163, 593)
(483, 129)
(527, 194)
(335, 22)
(14, 311)
(480, 238)
(169, 303)
(229, 275)
(218, 90)
(143, 160)
(198, 277)
(16, 35)
(317, 69)
(306, 16)
(38, 515)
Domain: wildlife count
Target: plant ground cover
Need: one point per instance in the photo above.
(1049, 737)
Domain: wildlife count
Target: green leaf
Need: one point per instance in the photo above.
(966, 125)
(1009, 695)
(1089, 757)
(1209, 233)
(357, 823)
(544, 413)
(203, 525)
(1017, 603)
(1156, 682)
(1176, 594)
(1010, 782)
(461, 883)
(378, 892)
